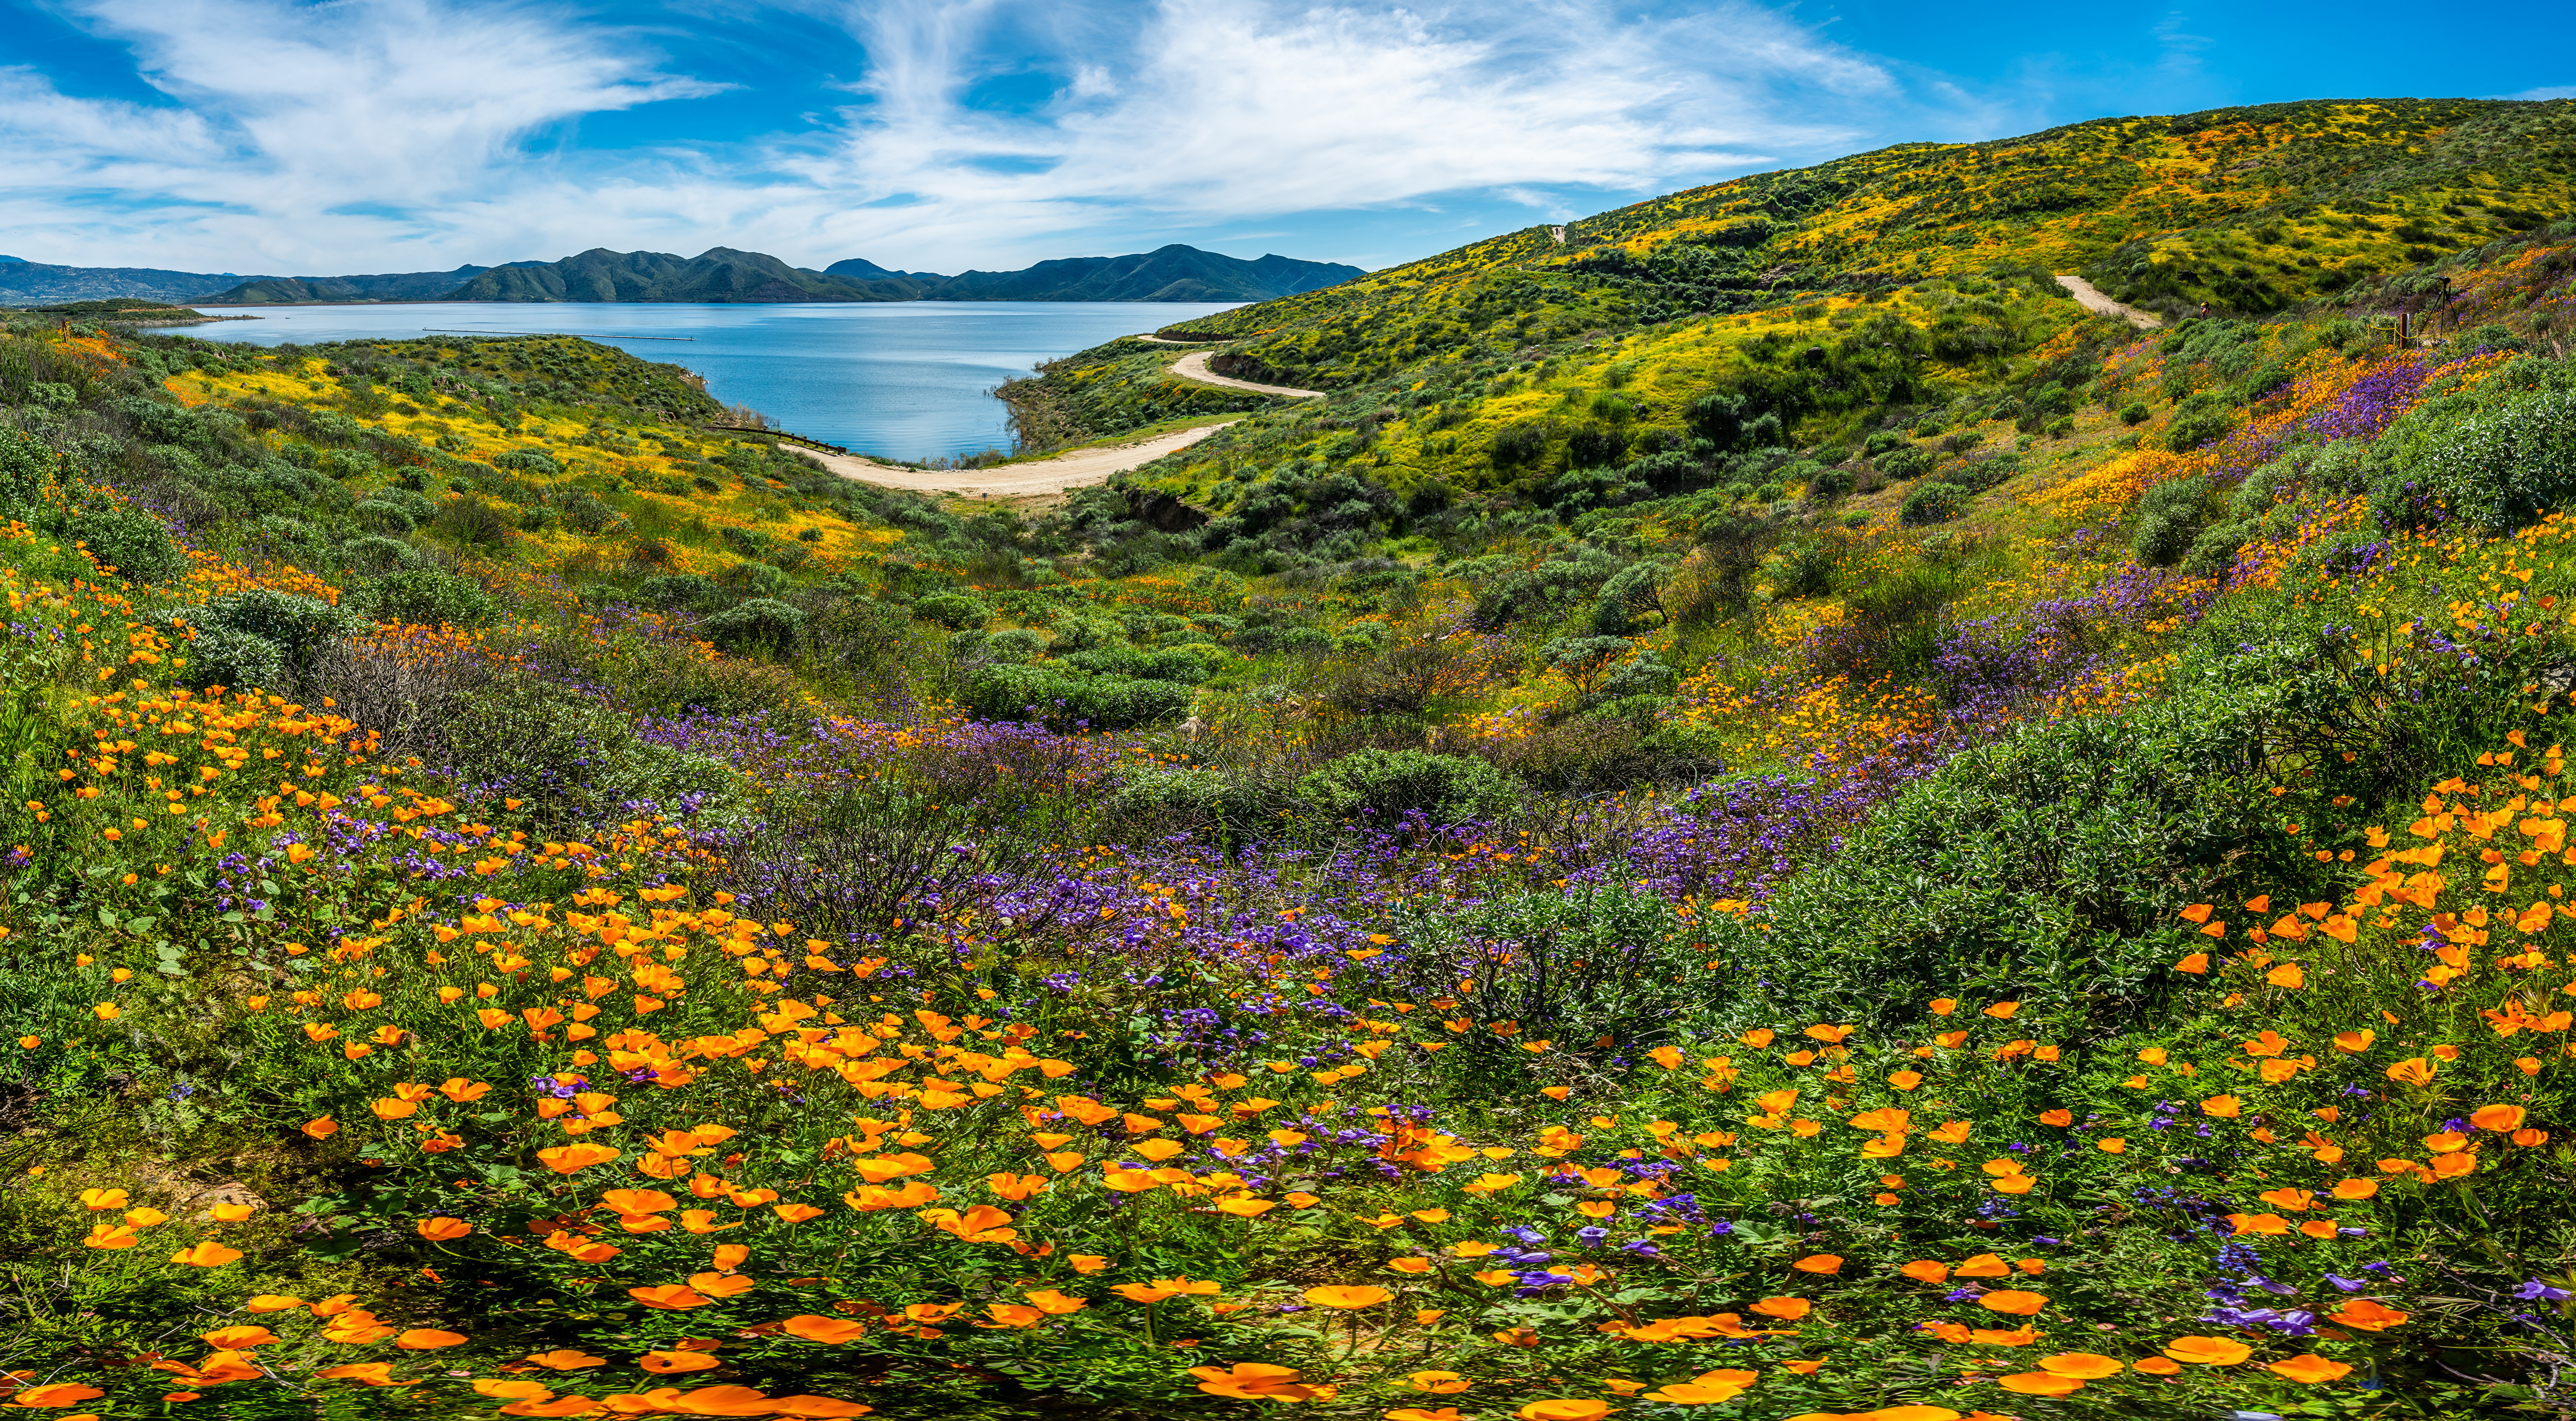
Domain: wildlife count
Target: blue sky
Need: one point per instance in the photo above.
(405, 135)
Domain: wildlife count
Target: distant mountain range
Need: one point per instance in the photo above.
(719, 274)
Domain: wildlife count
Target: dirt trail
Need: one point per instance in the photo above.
(1073, 470)
(2092, 299)
(1193, 366)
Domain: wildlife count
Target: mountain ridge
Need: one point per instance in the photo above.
(1175, 272)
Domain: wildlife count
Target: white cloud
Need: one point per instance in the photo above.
(1228, 111)
(415, 134)
(2561, 91)
(296, 134)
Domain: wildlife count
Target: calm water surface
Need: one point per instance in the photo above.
(905, 380)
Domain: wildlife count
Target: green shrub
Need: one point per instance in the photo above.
(131, 541)
(680, 592)
(427, 597)
(756, 579)
(2502, 468)
(1907, 462)
(1628, 601)
(953, 610)
(1054, 699)
(26, 464)
(1164, 664)
(529, 461)
(2135, 413)
(1600, 960)
(378, 555)
(1932, 503)
(2167, 519)
(262, 638)
(1447, 789)
(1230, 805)
(570, 756)
(221, 656)
(384, 516)
(2198, 420)
(1829, 487)
(763, 625)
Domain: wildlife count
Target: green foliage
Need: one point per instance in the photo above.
(1932, 503)
(2168, 518)
(953, 610)
(2197, 421)
(1387, 784)
(761, 625)
(569, 756)
(2504, 467)
(428, 597)
(1047, 696)
(129, 540)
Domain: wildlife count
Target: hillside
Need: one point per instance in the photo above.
(1901, 854)
(1172, 273)
(26, 283)
(391, 286)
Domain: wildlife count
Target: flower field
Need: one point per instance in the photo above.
(2039, 893)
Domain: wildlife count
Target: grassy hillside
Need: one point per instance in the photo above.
(1901, 853)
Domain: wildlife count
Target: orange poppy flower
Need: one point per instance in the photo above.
(1564, 1411)
(2309, 1369)
(1819, 1263)
(1348, 1298)
(1252, 1381)
(2208, 1351)
(2083, 1366)
(2013, 1302)
(832, 1330)
(2363, 1315)
(667, 1362)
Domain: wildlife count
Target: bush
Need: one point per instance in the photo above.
(1233, 807)
(384, 516)
(1932, 503)
(474, 523)
(2134, 413)
(953, 610)
(680, 592)
(570, 757)
(1167, 664)
(1518, 445)
(2502, 468)
(26, 464)
(1907, 462)
(2198, 420)
(1627, 600)
(1062, 702)
(378, 555)
(755, 579)
(762, 625)
(264, 638)
(1447, 789)
(2168, 518)
(427, 597)
(1829, 487)
(220, 656)
(529, 461)
(131, 541)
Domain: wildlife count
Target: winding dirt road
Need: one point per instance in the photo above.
(2091, 299)
(1076, 469)
(1193, 366)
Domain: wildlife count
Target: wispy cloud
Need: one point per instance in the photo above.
(416, 133)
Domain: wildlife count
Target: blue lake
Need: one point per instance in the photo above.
(905, 380)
